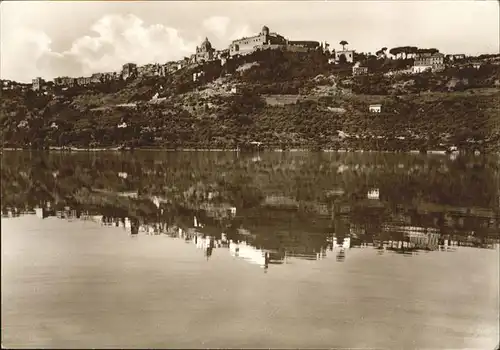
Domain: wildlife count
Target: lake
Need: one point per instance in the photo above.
(271, 250)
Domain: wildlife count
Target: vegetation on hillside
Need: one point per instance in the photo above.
(457, 107)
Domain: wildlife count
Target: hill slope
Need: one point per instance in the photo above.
(282, 99)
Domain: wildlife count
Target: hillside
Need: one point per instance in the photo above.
(281, 99)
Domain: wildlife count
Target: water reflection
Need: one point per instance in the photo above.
(271, 211)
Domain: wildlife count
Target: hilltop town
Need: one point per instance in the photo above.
(270, 92)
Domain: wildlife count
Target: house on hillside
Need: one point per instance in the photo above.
(476, 65)
(373, 194)
(149, 70)
(37, 84)
(428, 62)
(129, 70)
(346, 56)
(65, 81)
(83, 81)
(97, 78)
(375, 108)
(456, 57)
(358, 70)
(198, 75)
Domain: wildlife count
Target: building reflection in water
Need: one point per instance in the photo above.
(253, 255)
(274, 236)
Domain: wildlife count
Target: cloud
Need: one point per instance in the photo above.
(218, 25)
(115, 40)
(241, 32)
(121, 39)
(20, 49)
(224, 29)
(111, 41)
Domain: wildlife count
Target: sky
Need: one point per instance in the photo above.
(57, 38)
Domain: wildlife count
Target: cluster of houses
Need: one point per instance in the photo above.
(423, 62)
(265, 40)
(13, 85)
(204, 53)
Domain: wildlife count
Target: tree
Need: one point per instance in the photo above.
(343, 43)
(395, 51)
(413, 50)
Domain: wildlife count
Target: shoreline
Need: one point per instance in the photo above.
(271, 150)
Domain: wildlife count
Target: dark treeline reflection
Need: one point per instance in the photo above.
(286, 204)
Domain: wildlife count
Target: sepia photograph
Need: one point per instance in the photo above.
(250, 174)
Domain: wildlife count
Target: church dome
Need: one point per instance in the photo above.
(206, 45)
(265, 30)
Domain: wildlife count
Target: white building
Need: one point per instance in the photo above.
(348, 54)
(375, 108)
(421, 69)
(373, 194)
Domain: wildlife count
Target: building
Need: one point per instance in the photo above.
(129, 70)
(83, 81)
(358, 70)
(149, 70)
(420, 69)
(222, 54)
(249, 45)
(97, 78)
(344, 56)
(428, 62)
(456, 57)
(476, 65)
(12, 85)
(375, 108)
(373, 194)
(65, 81)
(37, 84)
(204, 53)
(198, 75)
(306, 44)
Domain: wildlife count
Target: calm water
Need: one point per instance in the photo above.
(298, 250)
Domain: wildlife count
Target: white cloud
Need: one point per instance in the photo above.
(20, 49)
(116, 40)
(218, 25)
(241, 32)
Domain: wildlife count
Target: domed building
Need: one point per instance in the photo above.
(205, 52)
(206, 46)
